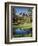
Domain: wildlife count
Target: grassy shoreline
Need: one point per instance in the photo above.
(24, 26)
(23, 35)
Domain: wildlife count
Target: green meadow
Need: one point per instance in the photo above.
(24, 26)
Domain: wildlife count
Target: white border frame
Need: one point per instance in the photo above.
(33, 25)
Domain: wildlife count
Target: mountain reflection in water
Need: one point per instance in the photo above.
(23, 31)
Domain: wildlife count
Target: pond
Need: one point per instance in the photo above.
(23, 31)
(20, 32)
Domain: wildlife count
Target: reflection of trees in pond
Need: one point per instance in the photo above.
(22, 32)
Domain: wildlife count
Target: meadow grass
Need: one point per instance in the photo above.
(24, 26)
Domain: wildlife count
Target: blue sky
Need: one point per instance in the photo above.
(23, 10)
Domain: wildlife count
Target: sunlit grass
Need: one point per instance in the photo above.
(24, 26)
